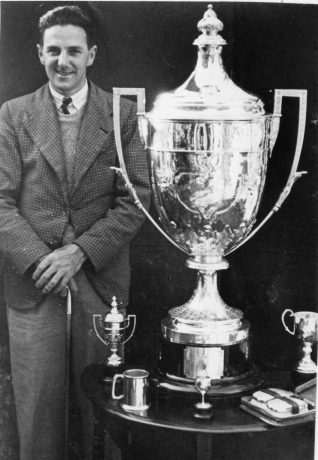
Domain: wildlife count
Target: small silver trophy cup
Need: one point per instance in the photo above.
(203, 409)
(305, 328)
(115, 334)
(208, 144)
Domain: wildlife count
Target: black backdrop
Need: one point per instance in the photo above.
(149, 44)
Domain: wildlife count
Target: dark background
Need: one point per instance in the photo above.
(149, 44)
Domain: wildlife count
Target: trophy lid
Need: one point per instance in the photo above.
(209, 93)
(114, 316)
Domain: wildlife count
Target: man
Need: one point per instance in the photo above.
(66, 219)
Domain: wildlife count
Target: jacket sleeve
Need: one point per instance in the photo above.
(110, 234)
(18, 241)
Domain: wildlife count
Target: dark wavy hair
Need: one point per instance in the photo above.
(68, 15)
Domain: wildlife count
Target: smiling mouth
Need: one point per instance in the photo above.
(64, 74)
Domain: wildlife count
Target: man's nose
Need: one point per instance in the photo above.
(63, 59)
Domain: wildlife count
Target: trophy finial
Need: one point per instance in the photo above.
(114, 303)
(114, 316)
(210, 26)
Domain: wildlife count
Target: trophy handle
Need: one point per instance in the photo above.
(288, 310)
(294, 175)
(140, 94)
(95, 328)
(114, 396)
(133, 317)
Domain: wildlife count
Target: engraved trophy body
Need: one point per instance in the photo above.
(115, 332)
(208, 144)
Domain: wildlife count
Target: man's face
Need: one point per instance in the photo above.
(66, 56)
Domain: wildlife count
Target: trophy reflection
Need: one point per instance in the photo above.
(115, 332)
(305, 328)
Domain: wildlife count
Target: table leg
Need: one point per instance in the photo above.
(112, 451)
(203, 446)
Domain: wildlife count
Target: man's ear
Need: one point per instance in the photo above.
(40, 53)
(91, 55)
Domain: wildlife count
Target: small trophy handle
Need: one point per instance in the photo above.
(133, 317)
(114, 396)
(140, 94)
(288, 310)
(294, 175)
(95, 328)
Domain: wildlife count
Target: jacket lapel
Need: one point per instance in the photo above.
(97, 125)
(41, 121)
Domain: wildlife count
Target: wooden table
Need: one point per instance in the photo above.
(169, 431)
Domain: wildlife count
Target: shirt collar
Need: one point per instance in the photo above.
(79, 99)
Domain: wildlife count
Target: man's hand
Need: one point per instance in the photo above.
(56, 269)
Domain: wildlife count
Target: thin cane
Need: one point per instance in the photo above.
(67, 364)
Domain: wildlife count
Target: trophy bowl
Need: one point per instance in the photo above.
(208, 145)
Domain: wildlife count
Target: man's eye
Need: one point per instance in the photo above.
(53, 52)
(74, 52)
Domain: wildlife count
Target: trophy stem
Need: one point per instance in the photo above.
(306, 364)
(205, 330)
(114, 360)
(206, 307)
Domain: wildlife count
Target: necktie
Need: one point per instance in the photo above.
(66, 102)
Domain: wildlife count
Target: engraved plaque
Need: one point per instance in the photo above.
(199, 360)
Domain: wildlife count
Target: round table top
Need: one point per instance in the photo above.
(173, 412)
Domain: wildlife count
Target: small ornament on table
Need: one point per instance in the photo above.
(203, 409)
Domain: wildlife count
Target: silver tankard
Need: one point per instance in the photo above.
(135, 396)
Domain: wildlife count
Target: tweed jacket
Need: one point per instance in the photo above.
(35, 206)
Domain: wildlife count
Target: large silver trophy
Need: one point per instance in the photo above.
(208, 145)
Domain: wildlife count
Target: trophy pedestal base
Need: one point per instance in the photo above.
(227, 364)
(298, 378)
(166, 384)
(110, 371)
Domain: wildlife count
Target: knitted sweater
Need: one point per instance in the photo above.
(70, 128)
